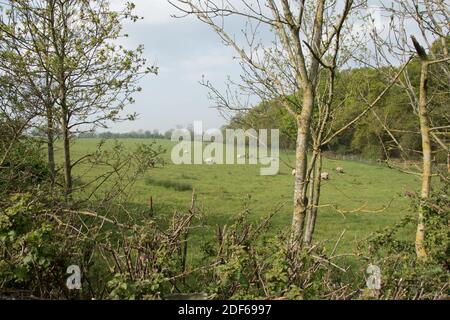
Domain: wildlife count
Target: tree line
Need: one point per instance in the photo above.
(368, 137)
(141, 134)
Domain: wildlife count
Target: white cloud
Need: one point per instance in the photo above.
(208, 60)
(154, 12)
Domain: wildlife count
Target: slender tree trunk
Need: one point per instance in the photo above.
(67, 161)
(66, 148)
(65, 116)
(448, 161)
(49, 109)
(314, 200)
(426, 160)
(50, 152)
(59, 44)
(309, 84)
(300, 189)
(50, 145)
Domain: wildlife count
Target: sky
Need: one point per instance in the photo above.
(185, 50)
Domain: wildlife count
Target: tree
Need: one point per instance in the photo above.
(429, 19)
(297, 70)
(74, 43)
(287, 68)
(32, 82)
(424, 121)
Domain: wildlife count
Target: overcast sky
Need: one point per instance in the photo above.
(184, 50)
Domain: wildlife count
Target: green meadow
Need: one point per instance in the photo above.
(364, 199)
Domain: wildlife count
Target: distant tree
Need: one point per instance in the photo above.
(168, 134)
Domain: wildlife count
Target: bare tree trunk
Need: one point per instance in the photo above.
(314, 201)
(448, 162)
(49, 104)
(309, 84)
(300, 199)
(50, 145)
(65, 116)
(59, 43)
(426, 162)
(67, 161)
(66, 147)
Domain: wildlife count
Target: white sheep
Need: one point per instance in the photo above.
(241, 156)
(209, 161)
(294, 172)
(340, 170)
(325, 176)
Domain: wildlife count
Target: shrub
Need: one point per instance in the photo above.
(169, 184)
(403, 275)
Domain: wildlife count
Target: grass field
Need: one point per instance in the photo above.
(222, 189)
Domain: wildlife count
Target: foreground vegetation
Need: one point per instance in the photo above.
(139, 227)
(189, 245)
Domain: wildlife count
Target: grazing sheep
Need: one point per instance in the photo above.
(325, 176)
(294, 172)
(340, 170)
